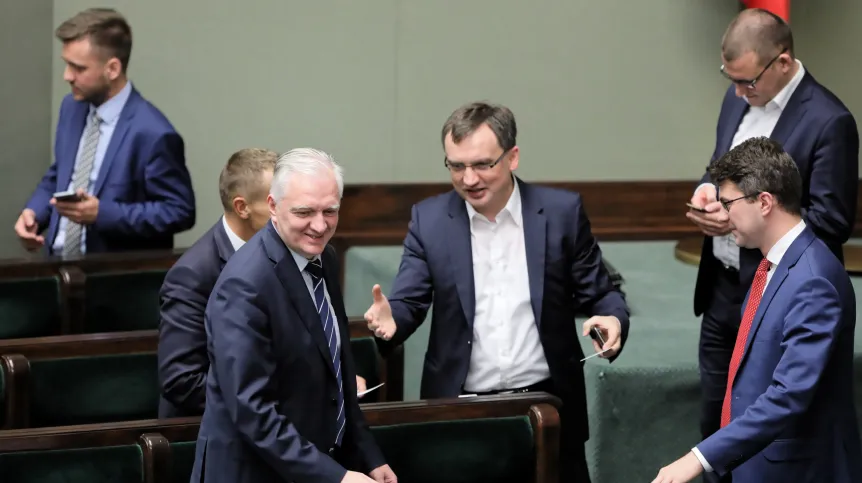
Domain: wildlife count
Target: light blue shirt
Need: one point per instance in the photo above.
(109, 112)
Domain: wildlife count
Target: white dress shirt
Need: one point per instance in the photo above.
(506, 350)
(775, 254)
(758, 121)
(235, 241)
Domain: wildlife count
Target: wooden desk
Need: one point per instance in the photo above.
(687, 251)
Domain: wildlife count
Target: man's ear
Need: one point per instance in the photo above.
(767, 203)
(240, 207)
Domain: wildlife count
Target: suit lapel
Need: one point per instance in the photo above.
(535, 232)
(737, 112)
(791, 256)
(65, 167)
(793, 111)
(222, 242)
(120, 131)
(291, 278)
(461, 255)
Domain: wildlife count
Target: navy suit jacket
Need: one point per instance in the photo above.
(793, 415)
(566, 277)
(182, 351)
(271, 400)
(820, 134)
(144, 188)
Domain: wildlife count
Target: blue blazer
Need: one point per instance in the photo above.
(271, 388)
(818, 131)
(144, 188)
(182, 351)
(566, 276)
(793, 417)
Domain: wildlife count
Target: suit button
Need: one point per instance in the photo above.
(333, 401)
(331, 451)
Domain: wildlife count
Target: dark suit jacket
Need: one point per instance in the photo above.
(144, 188)
(818, 131)
(271, 402)
(566, 277)
(182, 352)
(793, 416)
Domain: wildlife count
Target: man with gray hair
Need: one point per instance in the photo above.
(771, 94)
(281, 400)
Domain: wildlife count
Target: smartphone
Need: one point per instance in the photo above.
(67, 196)
(596, 334)
(695, 208)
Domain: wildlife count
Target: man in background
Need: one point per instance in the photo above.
(244, 184)
(117, 157)
(771, 95)
(507, 266)
(788, 411)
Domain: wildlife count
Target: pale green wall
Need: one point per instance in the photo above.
(25, 115)
(613, 89)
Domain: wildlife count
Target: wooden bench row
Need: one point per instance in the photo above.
(104, 377)
(511, 438)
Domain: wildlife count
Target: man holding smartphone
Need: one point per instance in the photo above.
(119, 172)
(772, 95)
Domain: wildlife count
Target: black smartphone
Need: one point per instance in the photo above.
(596, 334)
(695, 208)
(67, 196)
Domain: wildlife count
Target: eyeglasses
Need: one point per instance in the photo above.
(726, 203)
(456, 167)
(751, 84)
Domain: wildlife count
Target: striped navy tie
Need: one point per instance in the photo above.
(327, 318)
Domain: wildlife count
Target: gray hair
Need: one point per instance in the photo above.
(308, 161)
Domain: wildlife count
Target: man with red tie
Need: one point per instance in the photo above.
(788, 412)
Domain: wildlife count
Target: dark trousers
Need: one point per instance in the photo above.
(573, 459)
(718, 330)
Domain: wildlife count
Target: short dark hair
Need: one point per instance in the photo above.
(760, 165)
(241, 175)
(759, 31)
(106, 29)
(469, 117)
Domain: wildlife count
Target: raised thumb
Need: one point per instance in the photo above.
(377, 294)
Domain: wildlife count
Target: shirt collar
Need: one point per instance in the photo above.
(235, 241)
(512, 208)
(301, 261)
(110, 110)
(783, 97)
(776, 253)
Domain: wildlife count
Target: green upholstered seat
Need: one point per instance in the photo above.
(109, 464)
(498, 450)
(29, 307)
(367, 365)
(96, 389)
(182, 461)
(123, 301)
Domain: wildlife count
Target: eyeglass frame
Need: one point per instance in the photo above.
(481, 166)
(751, 84)
(726, 203)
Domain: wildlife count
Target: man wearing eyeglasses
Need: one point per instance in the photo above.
(507, 266)
(771, 95)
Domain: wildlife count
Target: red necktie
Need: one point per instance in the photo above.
(747, 318)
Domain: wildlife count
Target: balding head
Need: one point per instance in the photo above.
(759, 31)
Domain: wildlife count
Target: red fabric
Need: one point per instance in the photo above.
(778, 7)
(750, 309)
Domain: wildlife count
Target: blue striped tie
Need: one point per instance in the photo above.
(327, 318)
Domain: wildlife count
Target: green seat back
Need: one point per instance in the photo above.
(110, 464)
(95, 389)
(183, 461)
(118, 302)
(365, 355)
(29, 307)
(494, 450)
